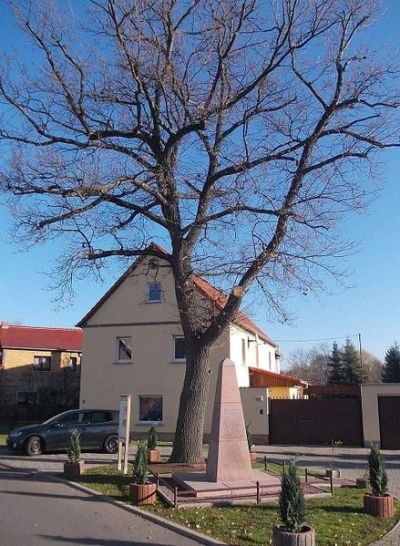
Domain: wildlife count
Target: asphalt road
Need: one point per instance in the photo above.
(38, 511)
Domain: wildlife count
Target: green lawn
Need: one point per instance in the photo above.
(339, 521)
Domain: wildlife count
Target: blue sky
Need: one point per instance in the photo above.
(371, 307)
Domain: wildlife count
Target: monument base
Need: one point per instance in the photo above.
(198, 485)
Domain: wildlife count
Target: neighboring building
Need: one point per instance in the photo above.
(279, 385)
(39, 370)
(133, 344)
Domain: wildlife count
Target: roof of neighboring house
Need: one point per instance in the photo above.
(205, 287)
(265, 378)
(33, 337)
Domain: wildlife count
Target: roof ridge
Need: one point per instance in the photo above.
(42, 327)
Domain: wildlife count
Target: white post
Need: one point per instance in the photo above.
(123, 429)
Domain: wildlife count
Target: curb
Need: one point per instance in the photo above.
(185, 531)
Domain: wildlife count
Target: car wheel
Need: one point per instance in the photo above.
(111, 444)
(33, 446)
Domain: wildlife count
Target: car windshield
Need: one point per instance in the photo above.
(53, 419)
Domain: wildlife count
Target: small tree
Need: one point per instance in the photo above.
(391, 369)
(152, 439)
(336, 371)
(351, 364)
(291, 500)
(74, 452)
(140, 470)
(377, 473)
(249, 437)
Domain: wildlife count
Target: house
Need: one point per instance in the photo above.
(39, 370)
(279, 385)
(133, 344)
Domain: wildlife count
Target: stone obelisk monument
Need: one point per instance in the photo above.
(228, 453)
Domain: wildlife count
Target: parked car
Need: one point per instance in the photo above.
(98, 430)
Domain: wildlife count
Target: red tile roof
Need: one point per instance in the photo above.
(32, 337)
(266, 378)
(220, 299)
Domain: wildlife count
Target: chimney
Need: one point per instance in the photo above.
(4, 324)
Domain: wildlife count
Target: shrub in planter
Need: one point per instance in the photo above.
(378, 502)
(140, 490)
(75, 466)
(153, 454)
(249, 436)
(292, 512)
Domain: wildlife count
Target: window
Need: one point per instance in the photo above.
(150, 408)
(154, 294)
(243, 351)
(124, 349)
(42, 363)
(27, 398)
(179, 348)
(76, 418)
(101, 417)
(269, 361)
(73, 363)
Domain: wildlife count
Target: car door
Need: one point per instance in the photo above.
(57, 437)
(101, 425)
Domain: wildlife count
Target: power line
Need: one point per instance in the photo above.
(315, 340)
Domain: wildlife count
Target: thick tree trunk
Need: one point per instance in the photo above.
(188, 441)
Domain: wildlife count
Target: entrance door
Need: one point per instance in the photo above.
(389, 421)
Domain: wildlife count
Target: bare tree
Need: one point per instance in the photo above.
(236, 133)
(310, 365)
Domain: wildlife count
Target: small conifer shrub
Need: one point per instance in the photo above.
(291, 500)
(140, 470)
(152, 439)
(377, 474)
(74, 452)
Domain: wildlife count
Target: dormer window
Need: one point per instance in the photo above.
(154, 293)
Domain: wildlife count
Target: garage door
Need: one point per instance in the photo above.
(389, 421)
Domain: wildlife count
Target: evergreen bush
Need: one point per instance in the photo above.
(74, 452)
(291, 500)
(152, 438)
(377, 474)
(249, 437)
(140, 470)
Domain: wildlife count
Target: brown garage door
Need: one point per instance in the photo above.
(316, 422)
(389, 421)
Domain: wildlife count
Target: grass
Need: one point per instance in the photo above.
(339, 521)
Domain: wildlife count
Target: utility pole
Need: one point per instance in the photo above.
(359, 342)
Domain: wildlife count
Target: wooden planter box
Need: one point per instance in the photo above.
(143, 493)
(153, 455)
(379, 506)
(73, 470)
(281, 537)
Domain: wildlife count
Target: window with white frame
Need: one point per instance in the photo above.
(27, 398)
(269, 361)
(179, 349)
(243, 351)
(42, 363)
(124, 349)
(150, 408)
(154, 292)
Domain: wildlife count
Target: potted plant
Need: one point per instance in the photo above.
(75, 466)
(253, 455)
(141, 491)
(378, 502)
(153, 454)
(332, 471)
(292, 512)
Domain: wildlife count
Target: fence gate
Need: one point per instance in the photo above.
(316, 422)
(389, 421)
